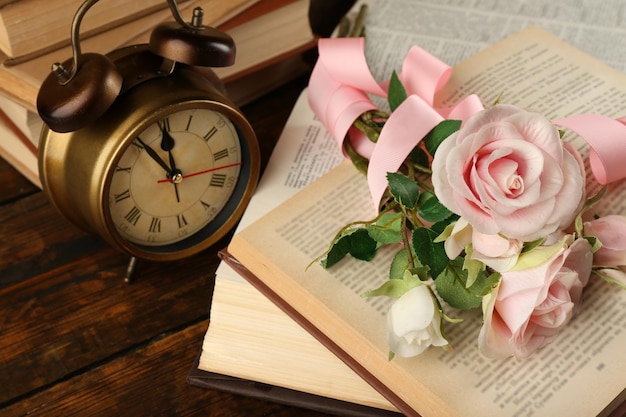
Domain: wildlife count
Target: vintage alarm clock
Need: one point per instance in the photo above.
(142, 147)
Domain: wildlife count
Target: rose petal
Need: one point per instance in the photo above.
(539, 131)
(417, 305)
(611, 231)
(529, 223)
(495, 114)
(571, 197)
(460, 237)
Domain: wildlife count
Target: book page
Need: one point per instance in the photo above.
(18, 154)
(589, 353)
(304, 152)
(454, 30)
(249, 337)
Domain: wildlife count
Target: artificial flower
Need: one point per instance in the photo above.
(487, 206)
(611, 231)
(507, 172)
(531, 306)
(495, 251)
(414, 323)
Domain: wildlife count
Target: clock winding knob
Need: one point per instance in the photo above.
(80, 90)
(68, 101)
(192, 43)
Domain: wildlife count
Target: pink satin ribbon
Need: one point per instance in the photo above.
(607, 144)
(339, 91)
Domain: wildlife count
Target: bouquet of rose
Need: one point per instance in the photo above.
(489, 210)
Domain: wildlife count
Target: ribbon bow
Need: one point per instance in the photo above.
(339, 93)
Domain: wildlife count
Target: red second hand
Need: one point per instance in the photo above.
(202, 172)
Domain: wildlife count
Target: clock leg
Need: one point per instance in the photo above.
(130, 269)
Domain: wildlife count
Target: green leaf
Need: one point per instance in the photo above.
(451, 287)
(357, 243)
(403, 189)
(395, 288)
(473, 268)
(386, 230)
(396, 93)
(431, 209)
(419, 157)
(538, 256)
(339, 249)
(532, 245)
(362, 246)
(439, 133)
(399, 264)
(439, 227)
(422, 272)
(428, 252)
(484, 286)
(589, 203)
(594, 242)
(447, 232)
(605, 274)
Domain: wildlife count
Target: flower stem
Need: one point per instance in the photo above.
(405, 238)
(358, 161)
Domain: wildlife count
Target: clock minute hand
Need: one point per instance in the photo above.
(154, 155)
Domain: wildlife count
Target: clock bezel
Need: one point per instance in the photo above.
(217, 228)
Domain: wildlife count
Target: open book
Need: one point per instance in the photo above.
(277, 249)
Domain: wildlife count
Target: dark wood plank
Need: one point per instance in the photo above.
(14, 185)
(37, 239)
(62, 321)
(159, 369)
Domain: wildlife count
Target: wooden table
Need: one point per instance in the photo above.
(75, 339)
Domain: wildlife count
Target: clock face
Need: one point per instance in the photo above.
(175, 178)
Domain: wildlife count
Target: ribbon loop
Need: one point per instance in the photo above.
(339, 91)
(607, 144)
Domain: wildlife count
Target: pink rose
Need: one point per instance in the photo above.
(507, 171)
(530, 307)
(611, 231)
(495, 251)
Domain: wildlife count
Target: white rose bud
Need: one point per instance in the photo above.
(414, 323)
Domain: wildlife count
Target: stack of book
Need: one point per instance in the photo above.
(270, 36)
(281, 328)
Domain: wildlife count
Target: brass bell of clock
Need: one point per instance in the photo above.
(142, 147)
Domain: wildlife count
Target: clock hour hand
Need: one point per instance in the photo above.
(169, 172)
(167, 144)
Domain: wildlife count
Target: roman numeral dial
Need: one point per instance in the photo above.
(175, 178)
